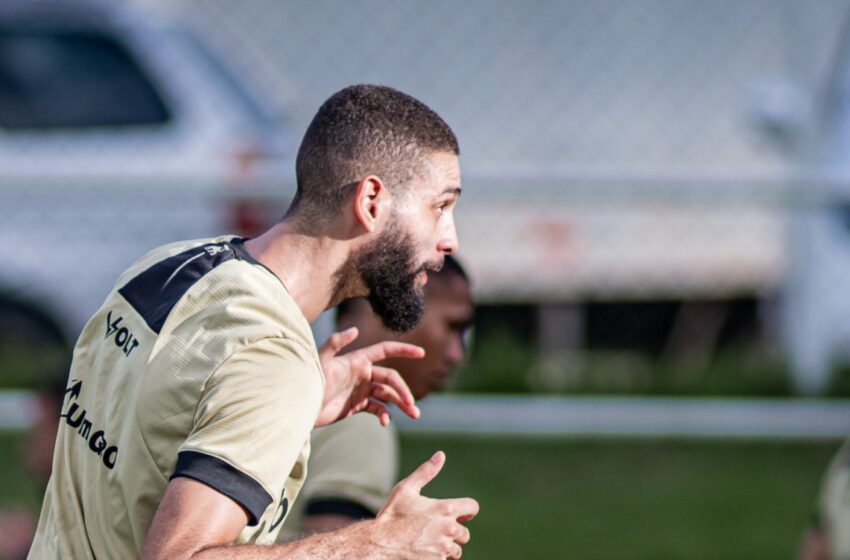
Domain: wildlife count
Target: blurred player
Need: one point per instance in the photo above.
(17, 524)
(353, 463)
(194, 388)
(829, 537)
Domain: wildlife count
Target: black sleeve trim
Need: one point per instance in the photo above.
(225, 478)
(156, 291)
(339, 506)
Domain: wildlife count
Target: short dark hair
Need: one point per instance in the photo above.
(451, 267)
(362, 130)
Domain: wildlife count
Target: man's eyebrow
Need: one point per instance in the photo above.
(451, 190)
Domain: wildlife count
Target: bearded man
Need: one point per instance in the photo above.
(193, 390)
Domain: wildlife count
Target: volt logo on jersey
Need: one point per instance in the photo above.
(122, 336)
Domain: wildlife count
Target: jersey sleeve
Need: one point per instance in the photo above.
(253, 419)
(353, 467)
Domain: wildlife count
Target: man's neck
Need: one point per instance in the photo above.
(306, 264)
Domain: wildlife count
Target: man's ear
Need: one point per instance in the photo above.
(371, 200)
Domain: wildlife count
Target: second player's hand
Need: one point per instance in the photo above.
(354, 384)
(420, 527)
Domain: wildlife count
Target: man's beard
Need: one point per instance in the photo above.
(389, 270)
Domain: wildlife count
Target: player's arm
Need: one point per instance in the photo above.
(814, 546)
(195, 522)
(325, 522)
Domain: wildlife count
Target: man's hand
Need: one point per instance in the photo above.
(354, 384)
(420, 527)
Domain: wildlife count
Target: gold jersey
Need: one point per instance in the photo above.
(198, 364)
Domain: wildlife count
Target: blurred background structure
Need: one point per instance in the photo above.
(656, 203)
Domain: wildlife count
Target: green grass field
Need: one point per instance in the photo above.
(628, 499)
(553, 499)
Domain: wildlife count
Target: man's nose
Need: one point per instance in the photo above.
(455, 352)
(448, 242)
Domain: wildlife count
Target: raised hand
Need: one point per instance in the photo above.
(420, 527)
(354, 384)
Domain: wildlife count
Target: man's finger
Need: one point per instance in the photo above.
(387, 394)
(378, 409)
(393, 379)
(425, 472)
(337, 341)
(371, 406)
(359, 406)
(462, 508)
(391, 349)
(462, 535)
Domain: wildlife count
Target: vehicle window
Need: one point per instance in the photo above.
(234, 86)
(71, 79)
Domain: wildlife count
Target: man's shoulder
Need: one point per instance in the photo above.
(163, 252)
(202, 302)
(216, 283)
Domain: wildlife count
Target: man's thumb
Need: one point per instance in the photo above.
(426, 472)
(339, 340)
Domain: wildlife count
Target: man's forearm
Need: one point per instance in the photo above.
(326, 522)
(354, 541)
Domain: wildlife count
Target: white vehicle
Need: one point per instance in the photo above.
(816, 319)
(116, 135)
